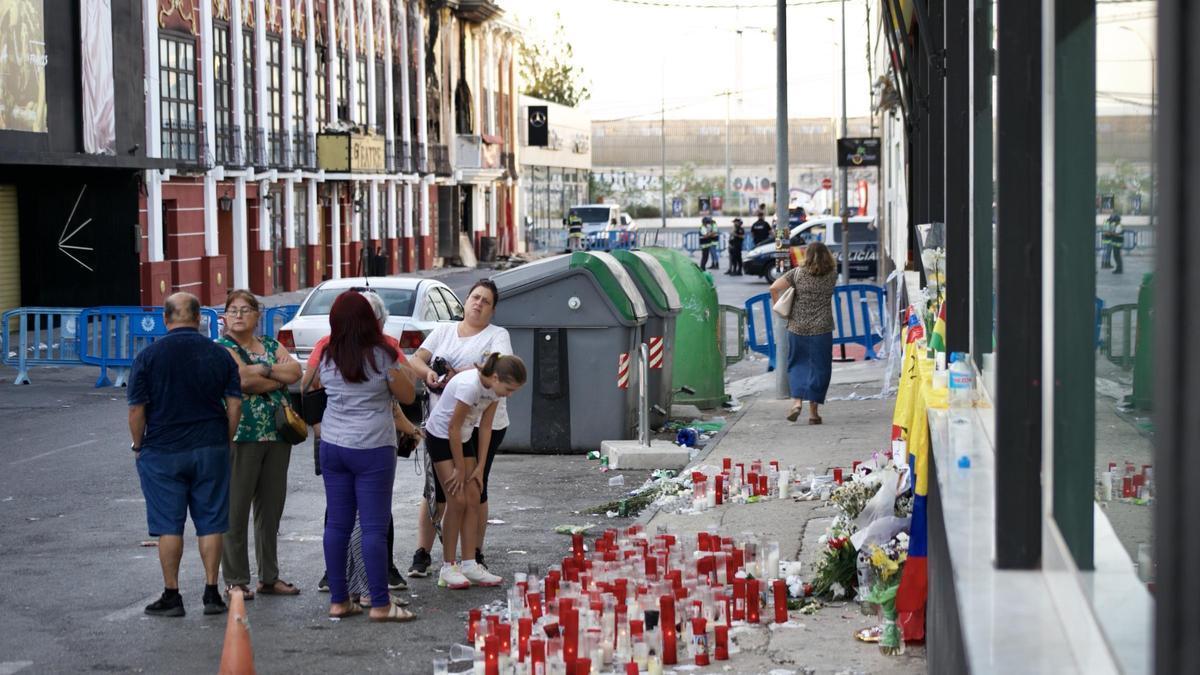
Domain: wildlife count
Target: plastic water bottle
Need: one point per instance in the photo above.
(962, 380)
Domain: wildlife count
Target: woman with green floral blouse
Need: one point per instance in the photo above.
(259, 464)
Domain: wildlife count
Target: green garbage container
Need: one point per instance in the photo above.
(662, 306)
(574, 319)
(1143, 353)
(698, 361)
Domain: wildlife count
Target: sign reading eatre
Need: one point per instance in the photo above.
(852, 152)
(354, 153)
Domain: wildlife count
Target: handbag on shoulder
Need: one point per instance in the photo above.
(783, 306)
(288, 424)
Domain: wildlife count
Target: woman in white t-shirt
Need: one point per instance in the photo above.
(470, 399)
(462, 346)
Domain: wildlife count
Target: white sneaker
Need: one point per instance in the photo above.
(450, 577)
(478, 574)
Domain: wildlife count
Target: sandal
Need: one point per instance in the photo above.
(274, 589)
(395, 615)
(795, 413)
(365, 601)
(352, 610)
(247, 594)
(814, 420)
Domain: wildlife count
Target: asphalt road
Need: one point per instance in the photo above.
(77, 573)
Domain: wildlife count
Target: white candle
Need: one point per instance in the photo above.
(711, 499)
(772, 569)
(785, 483)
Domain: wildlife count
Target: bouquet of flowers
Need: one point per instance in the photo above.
(887, 563)
(852, 496)
(836, 573)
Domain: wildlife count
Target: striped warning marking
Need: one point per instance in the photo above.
(656, 352)
(623, 371)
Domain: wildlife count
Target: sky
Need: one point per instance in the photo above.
(634, 56)
(638, 58)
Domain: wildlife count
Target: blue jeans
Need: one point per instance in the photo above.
(358, 481)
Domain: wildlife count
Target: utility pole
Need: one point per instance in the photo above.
(781, 180)
(728, 174)
(845, 233)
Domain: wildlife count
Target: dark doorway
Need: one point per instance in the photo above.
(448, 219)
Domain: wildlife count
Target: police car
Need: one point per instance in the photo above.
(864, 245)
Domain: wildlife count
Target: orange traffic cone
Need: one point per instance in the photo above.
(237, 658)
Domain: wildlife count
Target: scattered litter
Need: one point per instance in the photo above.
(8, 499)
(789, 624)
(593, 454)
(518, 551)
(573, 529)
(149, 543)
(616, 481)
(32, 518)
(496, 521)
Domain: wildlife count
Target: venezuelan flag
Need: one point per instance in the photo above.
(937, 341)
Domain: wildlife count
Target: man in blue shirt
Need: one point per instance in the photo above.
(185, 402)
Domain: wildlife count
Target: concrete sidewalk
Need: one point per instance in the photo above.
(852, 429)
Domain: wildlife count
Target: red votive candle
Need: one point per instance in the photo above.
(676, 577)
(700, 641)
(721, 648)
(703, 541)
(491, 655)
(473, 618)
(726, 463)
(631, 668)
(666, 620)
(577, 546)
(651, 567)
(752, 599)
(537, 653)
(534, 602)
(854, 465)
(739, 559)
(582, 667)
(719, 486)
(837, 475)
(1127, 487)
(524, 631)
(636, 628)
(763, 488)
(781, 610)
(752, 481)
(570, 626)
(505, 632)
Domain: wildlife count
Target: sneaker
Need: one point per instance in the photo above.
(479, 559)
(323, 584)
(478, 575)
(166, 606)
(451, 577)
(420, 564)
(396, 580)
(213, 604)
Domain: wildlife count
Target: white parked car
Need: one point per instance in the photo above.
(415, 307)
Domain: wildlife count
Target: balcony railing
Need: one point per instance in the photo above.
(406, 158)
(277, 149)
(441, 160)
(509, 162)
(226, 154)
(389, 156)
(184, 142)
(423, 158)
(300, 151)
(255, 154)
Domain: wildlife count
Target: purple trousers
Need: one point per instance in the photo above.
(358, 481)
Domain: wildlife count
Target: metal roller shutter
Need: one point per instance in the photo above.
(10, 250)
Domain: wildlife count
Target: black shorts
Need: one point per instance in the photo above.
(439, 451)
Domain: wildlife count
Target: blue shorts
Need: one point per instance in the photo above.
(175, 482)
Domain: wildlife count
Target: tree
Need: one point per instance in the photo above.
(548, 70)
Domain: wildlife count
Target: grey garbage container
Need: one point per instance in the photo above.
(572, 318)
(663, 305)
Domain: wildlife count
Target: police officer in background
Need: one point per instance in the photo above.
(708, 242)
(574, 232)
(760, 231)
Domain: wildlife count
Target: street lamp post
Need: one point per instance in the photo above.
(1153, 114)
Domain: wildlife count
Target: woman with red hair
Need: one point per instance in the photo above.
(361, 374)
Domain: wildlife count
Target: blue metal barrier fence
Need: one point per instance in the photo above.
(45, 336)
(859, 317)
(111, 337)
